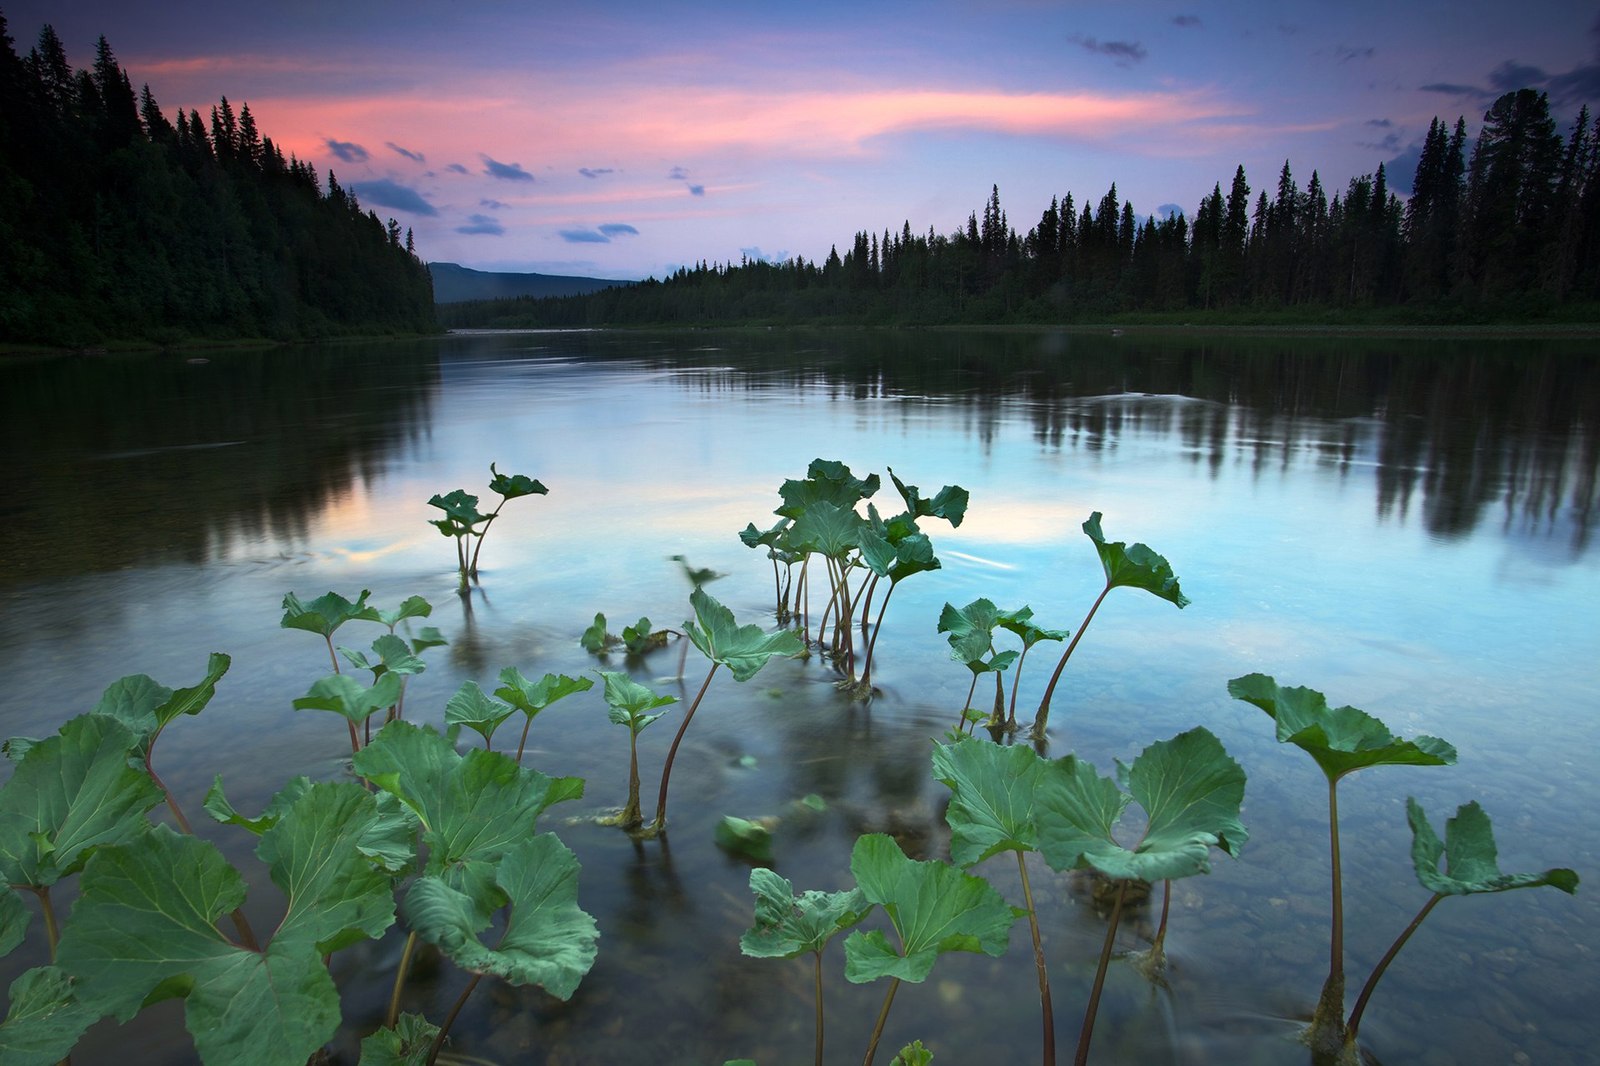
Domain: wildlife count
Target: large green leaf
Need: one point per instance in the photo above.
(628, 701)
(1136, 567)
(827, 481)
(324, 614)
(970, 629)
(827, 528)
(391, 655)
(390, 840)
(531, 697)
(14, 917)
(133, 701)
(949, 504)
(787, 926)
(991, 806)
(1471, 859)
(512, 486)
(461, 509)
(409, 1043)
(70, 794)
(145, 927)
(548, 941)
(344, 695)
(45, 1018)
(744, 650)
(411, 607)
(1189, 788)
(472, 707)
(473, 807)
(1020, 623)
(1342, 739)
(933, 907)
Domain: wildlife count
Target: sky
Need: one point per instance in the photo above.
(626, 138)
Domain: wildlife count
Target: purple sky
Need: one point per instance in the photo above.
(624, 139)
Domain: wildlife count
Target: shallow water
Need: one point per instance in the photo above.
(1403, 525)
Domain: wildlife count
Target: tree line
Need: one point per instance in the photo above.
(1509, 230)
(118, 222)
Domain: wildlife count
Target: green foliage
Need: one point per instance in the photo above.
(933, 907)
(1341, 739)
(325, 614)
(471, 707)
(913, 1054)
(409, 1043)
(1468, 849)
(44, 1020)
(744, 650)
(993, 792)
(1136, 567)
(744, 837)
(628, 701)
(344, 695)
(787, 926)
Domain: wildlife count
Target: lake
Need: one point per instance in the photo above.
(1406, 525)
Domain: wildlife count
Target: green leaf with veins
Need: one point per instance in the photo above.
(970, 629)
(1189, 787)
(427, 637)
(322, 615)
(391, 655)
(390, 840)
(144, 928)
(787, 926)
(1342, 739)
(1136, 567)
(14, 917)
(531, 697)
(992, 797)
(133, 701)
(1471, 859)
(744, 650)
(72, 793)
(627, 701)
(344, 695)
(471, 707)
(409, 1043)
(1020, 623)
(548, 940)
(461, 510)
(933, 907)
(412, 607)
(949, 504)
(472, 808)
(45, 1019)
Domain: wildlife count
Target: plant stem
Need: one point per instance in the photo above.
(672, 752)
(1336, 950)
(883, 1016)
(1016, 683)
(52, 932)
(524, 739)
(1326, 1033)
(1045, 1008)
(818, 954)
(1159, 944)
(1043, 716)
(630, 816)
(872, 642)
(1383, 964)
(393, 1016)
(1084, 1035)
(328, 639)
(961, 723)
(461, 1001)
(483, 533)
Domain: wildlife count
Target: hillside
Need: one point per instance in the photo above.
(453, 283)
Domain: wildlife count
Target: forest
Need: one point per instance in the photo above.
(120, 224)
(1509, 231)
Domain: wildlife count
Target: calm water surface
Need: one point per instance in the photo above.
(1407, 526)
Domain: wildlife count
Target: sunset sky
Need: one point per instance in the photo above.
(624, 139)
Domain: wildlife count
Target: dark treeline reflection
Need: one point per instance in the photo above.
(116, 461)
(1460, 431)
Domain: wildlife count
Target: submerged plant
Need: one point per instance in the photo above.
(787, 926)
(532, 697)
(1131, 567)
(1471, 867)
(324, 615)
(1190, 790)
(970, 632)
(463, 521)
(1341, 740)
(629, 704)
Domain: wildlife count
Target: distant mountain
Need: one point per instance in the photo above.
(453, 283)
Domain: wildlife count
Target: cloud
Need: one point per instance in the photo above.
(483, 224)
(348, 151)
(505, 171)
(1381, 123)
(1347, 53)
(1168, 211)
(408, 153)
(458, 168)
(756, 255)
(1450, 88)
(1511, 75)
(1186, 21)
(493, 205)
(1124, 52)
(697, 190)
(584, 236)
(386, 193)
(678, 174)
(595, 172)
(1401, 171)
(1577, 86)
(618, 229)
(1388, 143)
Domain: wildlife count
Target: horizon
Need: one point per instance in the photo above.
(618, 141)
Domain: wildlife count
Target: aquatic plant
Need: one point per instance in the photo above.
(1341, 740)
(463, 521)
(532, 697)
(628, 704)
(744, 650)
(1125, 567)
(788, 926)
(970, 632)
